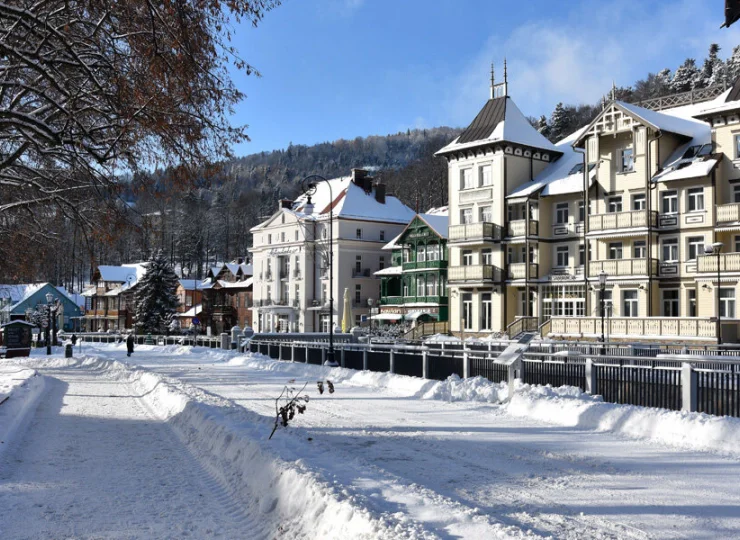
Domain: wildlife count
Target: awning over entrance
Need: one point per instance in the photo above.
(387, 317)
(412, 316)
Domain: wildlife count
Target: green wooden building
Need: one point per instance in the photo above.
(414, 287)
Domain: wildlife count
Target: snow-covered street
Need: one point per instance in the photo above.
(384, 456)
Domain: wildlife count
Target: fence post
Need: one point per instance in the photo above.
(292, 351)
(511, 375)
(392, 362)
(689, 388)
(466, 363)
(590, 377)
(425, 363)
(323, 356)
(341, 362)
(364, 358)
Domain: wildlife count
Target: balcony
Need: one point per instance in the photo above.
(362, 273)
(431, 299)
(519, 271)
(622, 220)
(729, 262)
(475, 232)
(728, 213)
(391, 301)
(478, 273)
(624, 267)
(686, 327)
(421, 265)
(518, 227)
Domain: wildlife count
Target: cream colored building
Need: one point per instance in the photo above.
(530, 233)
(290, 254)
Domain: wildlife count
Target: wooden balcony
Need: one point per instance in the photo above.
(728, 213)
(672, 327)
(478, 273)
(475, 232)
(518, 271)
(624, 267)
(518, 227)
(421, 265)
(729, 262)
(391, 301)
(622, 220)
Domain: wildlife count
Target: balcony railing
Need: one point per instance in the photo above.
(728, 213)
(622, 220)
(419, 265)
(624, 267)
(475, 232)
(729, 262)
(481, 272)
(519, 227)
(362, 273)
(634, 326)
(391, 300)
(519, 271)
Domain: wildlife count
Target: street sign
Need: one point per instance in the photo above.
(196, 321)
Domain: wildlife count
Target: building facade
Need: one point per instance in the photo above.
(226, 298)
(294, 250)
(17, 300)
(109, 304)
(631, 200)
(414, 286)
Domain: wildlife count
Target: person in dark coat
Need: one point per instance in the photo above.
(73, 339)
(130, 344)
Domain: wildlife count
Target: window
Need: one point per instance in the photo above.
(467, 311)
(432, 285)
(581, 255)
(691, 301)
(639, 249)
(486, 311)
(466, 179)
(607, 303)
(486, 214)
(282, 237)
(561, 213)
(188, 300)
(581, 212)
(737, 244)
(629, 304)
(737, 146)
(627, 160)
(466, 216)
(614, 204)
(561, 256)
(696, 246)
(736, 193)
(358, 234)
(487, 256)
(669, 202)
(406, 287)
(670, 250)
(382, 236)
(485, 175)
(323, 232)
(358, 294)
(670, 303)
(467, 257)
(269, 239)
(615, 250)
(296, 235)
(638, 201)
(421, 254)
(727, 303)
(695, 199)
(381, 263)
(358, 264)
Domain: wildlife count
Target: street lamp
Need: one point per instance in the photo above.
(716, 249)
(309, 187)
(602, 290)
(49, 299)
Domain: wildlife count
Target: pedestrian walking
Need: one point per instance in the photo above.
(73, 339)
(130, 344)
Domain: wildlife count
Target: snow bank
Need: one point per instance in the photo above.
(569, 406)
(471, 389)
(286, 497)
(20, 389)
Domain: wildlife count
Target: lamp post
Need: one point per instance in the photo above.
(309, 187)
(370, 303)
(49, 300)
(602, 289)
(716, 249)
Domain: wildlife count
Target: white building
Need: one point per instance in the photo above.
(290, 253)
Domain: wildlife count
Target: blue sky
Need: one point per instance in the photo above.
(346, 68)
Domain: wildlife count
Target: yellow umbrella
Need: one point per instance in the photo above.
(347, 316)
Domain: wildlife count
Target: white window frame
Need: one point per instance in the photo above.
(466, 178)
(467, 257)
(691, 305)
(482, 176)
(727, 303)
(486, 311)
(671, 195)
(639, 202)
(630, 306)
(562, 213)
(670, 307)
(486, 214)
(466, 216)
(614, 204)
(639, 249)
(673, 242)
(736, 137)
(358, 234)
(695, 198)
(559, 252)
(627, 165)
(467, 310)
(486, 256)
(736, 192)
(618, 254)
(696, 243)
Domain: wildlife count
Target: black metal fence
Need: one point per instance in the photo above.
(646, 385)
(554, 373)
(718, 392)
(408, 364)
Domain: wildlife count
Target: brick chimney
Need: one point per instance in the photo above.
(361, 179)
(380, 193)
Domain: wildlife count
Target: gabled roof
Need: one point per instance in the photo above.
(437, 222)
(191, 284)
(121, 274)
(500, 120)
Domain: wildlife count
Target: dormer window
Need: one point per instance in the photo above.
(627, 160)
(737, 145)
(697, 151)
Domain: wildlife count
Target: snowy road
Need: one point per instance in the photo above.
(94, 463)
(434, 460)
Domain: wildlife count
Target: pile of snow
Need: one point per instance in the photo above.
(569, 406)
(20, 389)
(471, 389)
(442, 338)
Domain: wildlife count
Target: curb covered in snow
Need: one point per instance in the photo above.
(20, 389)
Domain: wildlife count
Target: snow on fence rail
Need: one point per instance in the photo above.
(212, 342)
(687, 381)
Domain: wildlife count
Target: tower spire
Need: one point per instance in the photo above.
(506, 79)
(614, 91)
(493, 81)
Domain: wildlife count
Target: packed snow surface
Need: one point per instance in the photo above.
(384, 456)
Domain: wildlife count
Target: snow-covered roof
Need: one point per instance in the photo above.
(191, 284)
(439, 211)
(499, 120)
(675, 121)
(393, 244)
(192, 312)
(247, 269)
(120, 274)
(389, 271)
(234, 284)
(437, 222)
(18, 293)
(77, 298)
(558, 178)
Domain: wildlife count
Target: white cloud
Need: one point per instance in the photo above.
(576, 58)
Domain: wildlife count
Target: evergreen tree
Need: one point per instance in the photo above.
(542, 126)
(733, 65)
(558, 122)
(685, 76)
(712, 72)
(155, 298)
